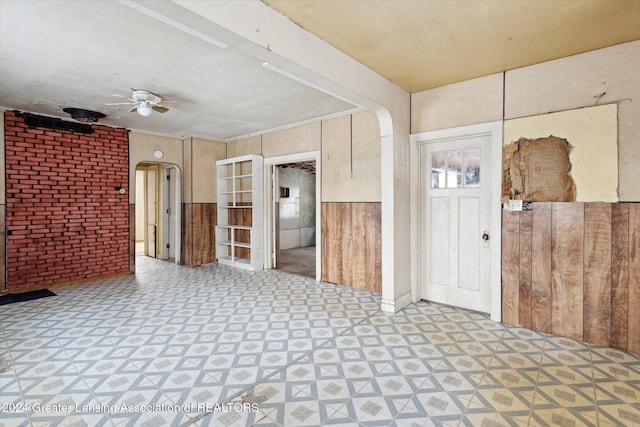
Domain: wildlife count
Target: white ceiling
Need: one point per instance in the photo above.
(56, 54)
(73, 53)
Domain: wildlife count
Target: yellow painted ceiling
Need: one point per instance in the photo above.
(422, 44)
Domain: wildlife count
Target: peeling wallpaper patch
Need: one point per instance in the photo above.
(593, 134)
(538, 170)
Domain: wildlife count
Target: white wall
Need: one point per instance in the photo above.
(459, 104)
(351, 159)
(200, 167)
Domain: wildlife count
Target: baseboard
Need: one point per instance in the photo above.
(393, 306)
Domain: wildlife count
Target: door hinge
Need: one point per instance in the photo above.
(168, 245)
(169, 177)
(169, 210)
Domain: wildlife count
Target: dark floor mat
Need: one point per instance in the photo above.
(26, 296)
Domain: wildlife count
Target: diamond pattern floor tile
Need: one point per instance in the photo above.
(303, 352)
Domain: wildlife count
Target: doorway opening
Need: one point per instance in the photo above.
(293, 214)
(157, 211)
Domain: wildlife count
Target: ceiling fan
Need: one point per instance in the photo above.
(144, 102)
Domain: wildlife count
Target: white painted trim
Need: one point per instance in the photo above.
(293, 158)
(496, 221)
(494, 130)
(391, 306)
(176, 206)
(178, 216)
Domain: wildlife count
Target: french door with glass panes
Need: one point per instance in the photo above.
(454, 222)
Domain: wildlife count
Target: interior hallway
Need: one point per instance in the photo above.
(313, 353)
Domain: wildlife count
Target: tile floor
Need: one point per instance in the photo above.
(199, 346)
(300, 261)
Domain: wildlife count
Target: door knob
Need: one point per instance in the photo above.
(485, 236)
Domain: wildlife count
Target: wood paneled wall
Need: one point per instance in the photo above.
(573, 269)
(198, 233)
(351, 245)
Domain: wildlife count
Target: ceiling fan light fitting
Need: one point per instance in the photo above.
(144, 109)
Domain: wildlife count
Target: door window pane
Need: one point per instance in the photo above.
(472, 167)
(454, 169)
(438, 169)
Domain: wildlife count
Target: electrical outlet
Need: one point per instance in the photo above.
(515, 205)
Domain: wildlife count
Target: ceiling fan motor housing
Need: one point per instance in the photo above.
(143, 95)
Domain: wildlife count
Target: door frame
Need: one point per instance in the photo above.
(494, 131)
(268, 203)
(174, 203)
(161, 169)
(146, 169)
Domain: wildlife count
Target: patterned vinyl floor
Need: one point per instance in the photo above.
(216, 346)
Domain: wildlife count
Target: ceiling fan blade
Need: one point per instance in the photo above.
(153, 99)
(134, 108)
(121, 103)
(160, 109)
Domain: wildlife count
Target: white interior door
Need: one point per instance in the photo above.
(455, 220)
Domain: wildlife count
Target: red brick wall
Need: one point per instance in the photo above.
(65, 219)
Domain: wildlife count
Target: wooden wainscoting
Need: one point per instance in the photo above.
(351, 245)
(198, 233)
(573, 269)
